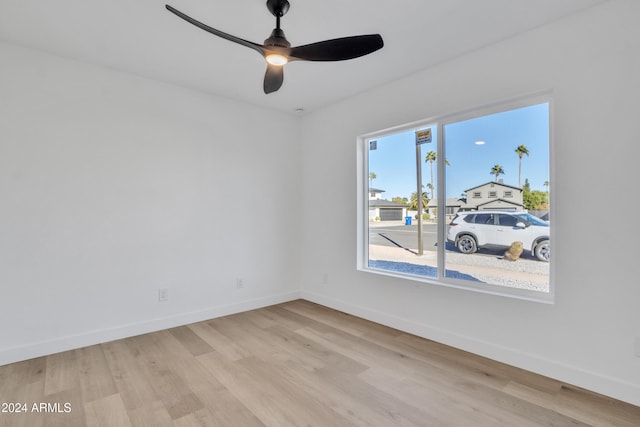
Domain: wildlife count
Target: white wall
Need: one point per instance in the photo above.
(113, 186)
(591, 61)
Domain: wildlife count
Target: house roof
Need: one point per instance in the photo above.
(450, 202)
(385, 204)
(495, 183)
(498, 201)
(376, 190)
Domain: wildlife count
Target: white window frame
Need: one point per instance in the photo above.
(441, 121)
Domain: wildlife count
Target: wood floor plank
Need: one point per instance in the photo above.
(292, 364)
(96, 380)
(356, 401)
(155, 361)
(309, 354)
(266, 406)
(190, 340)
(108, 411)
(149, 414)
(291, 320)
(61, 372)
(128, 375)
(220, 343)
(221, 407)
(595, 409)
(246, 336)
(64, 409)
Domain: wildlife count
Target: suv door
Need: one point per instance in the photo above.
(507, 232)
(484, 228)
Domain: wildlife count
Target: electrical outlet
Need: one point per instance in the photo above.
(239, 283)
(163, 295)
(325, 278)
(637, 347)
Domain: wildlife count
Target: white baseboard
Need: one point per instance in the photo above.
(70, 342)
(612, 387)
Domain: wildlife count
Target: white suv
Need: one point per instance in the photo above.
(498, 229)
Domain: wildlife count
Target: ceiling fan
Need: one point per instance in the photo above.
(277, 50)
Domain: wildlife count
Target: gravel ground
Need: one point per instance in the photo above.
(523, 274)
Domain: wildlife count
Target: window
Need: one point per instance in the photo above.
(507, 220)
(486, 244)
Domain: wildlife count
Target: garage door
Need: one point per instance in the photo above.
(391, 214)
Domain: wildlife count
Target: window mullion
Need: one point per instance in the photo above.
(441, 200)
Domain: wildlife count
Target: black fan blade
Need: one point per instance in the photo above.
(273, 78)
(338, 49)
(218, 33)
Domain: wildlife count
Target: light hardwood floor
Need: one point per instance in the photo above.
(293, 364)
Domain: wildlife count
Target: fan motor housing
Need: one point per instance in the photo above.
(278, 8)
(277, 38)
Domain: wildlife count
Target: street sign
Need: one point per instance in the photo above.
(423, 136)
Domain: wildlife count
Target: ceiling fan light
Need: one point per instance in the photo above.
(276, 59)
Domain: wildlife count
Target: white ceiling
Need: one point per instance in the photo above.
(143, 38)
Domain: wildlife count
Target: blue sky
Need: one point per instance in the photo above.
(394, 160)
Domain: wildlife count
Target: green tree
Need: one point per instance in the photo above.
(520, 150)
(372, 176)
(413, 204)
(536, 199)
(497, 170)
(401, 200)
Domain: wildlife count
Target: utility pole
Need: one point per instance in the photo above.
(422, 136)
(419, 193)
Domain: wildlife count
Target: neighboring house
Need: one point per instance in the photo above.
(384, 210)
(487, 196)
(494, 195)
(375, 194)
(453, 206)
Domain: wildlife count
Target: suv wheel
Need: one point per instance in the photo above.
(467, 244)
(543, 251)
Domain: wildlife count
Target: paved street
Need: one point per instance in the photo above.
(405, 236)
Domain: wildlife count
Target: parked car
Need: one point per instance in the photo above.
(469, 231)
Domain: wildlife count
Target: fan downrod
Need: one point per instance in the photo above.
(278, 8)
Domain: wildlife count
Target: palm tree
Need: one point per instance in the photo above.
(431, 158)
(430, 187)
(372, 176)
(497, 170)
(413, 204)
(520, 151)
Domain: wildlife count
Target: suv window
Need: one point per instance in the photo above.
(507, 220)
(532, 220)
(484, 219)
